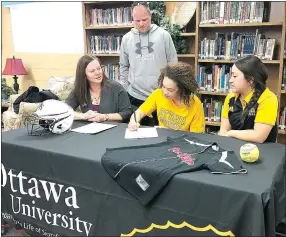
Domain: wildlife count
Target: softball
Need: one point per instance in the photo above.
(249, 152)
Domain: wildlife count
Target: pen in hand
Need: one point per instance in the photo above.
(134, 126)
(135, 117)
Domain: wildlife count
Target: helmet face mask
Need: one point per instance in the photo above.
(52, 116)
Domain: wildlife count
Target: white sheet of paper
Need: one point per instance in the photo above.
(93, 128)
(141, 133)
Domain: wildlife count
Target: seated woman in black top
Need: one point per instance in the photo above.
(250, 110)
(99, 99)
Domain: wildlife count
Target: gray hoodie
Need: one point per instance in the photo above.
(142, 56)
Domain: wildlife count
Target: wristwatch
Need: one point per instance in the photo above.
(106, 117)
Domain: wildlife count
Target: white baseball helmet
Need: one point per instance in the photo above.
(52, 116)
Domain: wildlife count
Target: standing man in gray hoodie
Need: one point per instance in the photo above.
(145, 50)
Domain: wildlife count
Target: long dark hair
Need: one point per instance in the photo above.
(182, 74)
(256, 74)
(81, 85)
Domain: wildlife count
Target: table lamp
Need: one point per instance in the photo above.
(14, 66)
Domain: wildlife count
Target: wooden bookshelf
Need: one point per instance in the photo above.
(194, 32)
(186, 55)
(107, 55)
(188, 34)
(275, 28)
(263, 24)
(282, 133)
(213, 93)
(108, 27)
(102, 29)
(232, 61)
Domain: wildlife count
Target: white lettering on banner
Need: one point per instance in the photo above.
(36, 188)
(49, 188)
(52, 193)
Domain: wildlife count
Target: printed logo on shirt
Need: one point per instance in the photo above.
(252, 112)
(139, 48)
(187, 158)
(172, 120)
(148, 54)
(146, 57)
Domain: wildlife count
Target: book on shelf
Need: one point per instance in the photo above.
(282, 121)
(110, 17)
(212, 109)
(283, 86)
(234, 45)
(214, 78)
(105, 44)
(234, 12)
(112, 71)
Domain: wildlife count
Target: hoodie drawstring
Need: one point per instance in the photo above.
(140, 45)
(148, 42)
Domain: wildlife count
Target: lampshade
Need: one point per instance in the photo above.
(14, 66)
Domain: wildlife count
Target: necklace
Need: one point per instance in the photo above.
(95, 100)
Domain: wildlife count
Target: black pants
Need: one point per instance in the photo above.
(147, 121)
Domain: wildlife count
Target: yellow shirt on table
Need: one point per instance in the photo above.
(175, 117)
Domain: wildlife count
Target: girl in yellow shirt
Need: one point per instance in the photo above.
(250, 110)
(177, 105)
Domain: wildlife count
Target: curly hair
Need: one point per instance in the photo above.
(182, 74)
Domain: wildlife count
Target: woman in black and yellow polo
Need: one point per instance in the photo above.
(250, 110)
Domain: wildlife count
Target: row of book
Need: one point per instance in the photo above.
(105, 44)
(235, 45)
(212, 109)
(214, 78)
(234, 12)
(110, 16)
(112, 71)
(283, 87)
(282, 119)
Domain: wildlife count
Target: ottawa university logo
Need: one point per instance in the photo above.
(41, 194)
